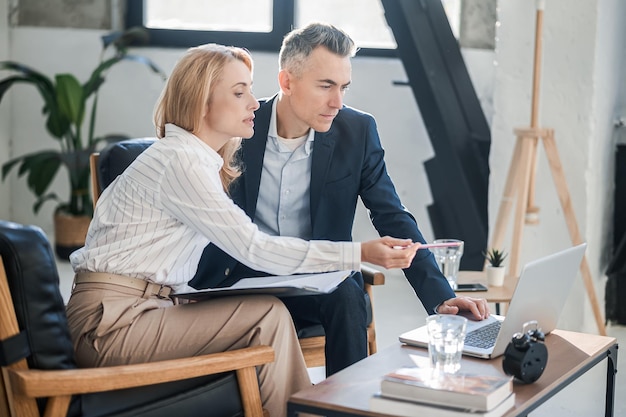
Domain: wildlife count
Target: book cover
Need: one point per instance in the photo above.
(394, 407)
(279, 285)
(476, 392)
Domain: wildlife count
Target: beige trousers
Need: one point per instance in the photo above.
(114, 325)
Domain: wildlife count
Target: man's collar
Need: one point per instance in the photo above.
(273, 130)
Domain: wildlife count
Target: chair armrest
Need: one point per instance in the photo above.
(50, 383)
(372, 276)
(96, 190)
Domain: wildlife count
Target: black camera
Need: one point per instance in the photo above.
(526, 355)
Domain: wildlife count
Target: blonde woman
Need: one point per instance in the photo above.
(153, 222)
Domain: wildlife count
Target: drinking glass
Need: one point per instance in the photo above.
(449, 258)
(446, 337)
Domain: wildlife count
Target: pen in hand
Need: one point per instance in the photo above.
(433, 245)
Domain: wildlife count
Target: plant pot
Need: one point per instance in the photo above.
(69, 233)
(495, 275)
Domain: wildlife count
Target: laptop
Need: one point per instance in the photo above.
(540, 294)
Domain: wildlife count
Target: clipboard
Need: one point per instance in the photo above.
(277, 285)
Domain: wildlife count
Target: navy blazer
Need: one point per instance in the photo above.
(348, 163)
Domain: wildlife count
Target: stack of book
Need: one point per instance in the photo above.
(418, 392)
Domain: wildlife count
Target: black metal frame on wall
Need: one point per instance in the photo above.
(459, 173)
(615, 291)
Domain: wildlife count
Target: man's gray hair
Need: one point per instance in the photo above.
(299, 43)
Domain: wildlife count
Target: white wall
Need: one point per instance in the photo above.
(4, 114)
(582, 69)
(583, 45)
(609, 104)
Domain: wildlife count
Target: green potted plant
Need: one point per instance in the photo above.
(65, 109)
(496, 268)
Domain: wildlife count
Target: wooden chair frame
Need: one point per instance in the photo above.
(20, 386)
(312, 347)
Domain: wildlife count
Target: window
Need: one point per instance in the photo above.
(363, 20)
(254, 24)
(262, 24)
(233, 16)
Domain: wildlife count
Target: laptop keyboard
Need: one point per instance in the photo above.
(485, 337)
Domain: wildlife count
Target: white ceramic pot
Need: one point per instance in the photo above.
(495, 275)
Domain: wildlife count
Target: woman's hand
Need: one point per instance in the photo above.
(389, 252)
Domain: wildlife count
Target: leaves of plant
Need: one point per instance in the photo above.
(70, 98)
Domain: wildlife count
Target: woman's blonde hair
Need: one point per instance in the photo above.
(188, 91)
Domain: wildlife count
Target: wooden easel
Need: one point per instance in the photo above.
(520, 182)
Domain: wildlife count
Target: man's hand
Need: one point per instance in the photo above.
(477, 306)
(389, 252)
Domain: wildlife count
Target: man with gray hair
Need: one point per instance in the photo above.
(310, 159)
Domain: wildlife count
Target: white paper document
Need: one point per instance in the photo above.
(279, 285)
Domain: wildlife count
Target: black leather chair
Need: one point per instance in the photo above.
(40, 374)
(117, 156)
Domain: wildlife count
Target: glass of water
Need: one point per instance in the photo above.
(446, 337)
(449, 259)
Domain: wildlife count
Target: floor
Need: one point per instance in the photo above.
(397, 310)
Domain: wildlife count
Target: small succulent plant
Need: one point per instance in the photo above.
(495, 257)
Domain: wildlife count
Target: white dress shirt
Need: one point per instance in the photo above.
(155, 219)
(284, 203)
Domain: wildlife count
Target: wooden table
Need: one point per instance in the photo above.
(571, 354)
(495, 295)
